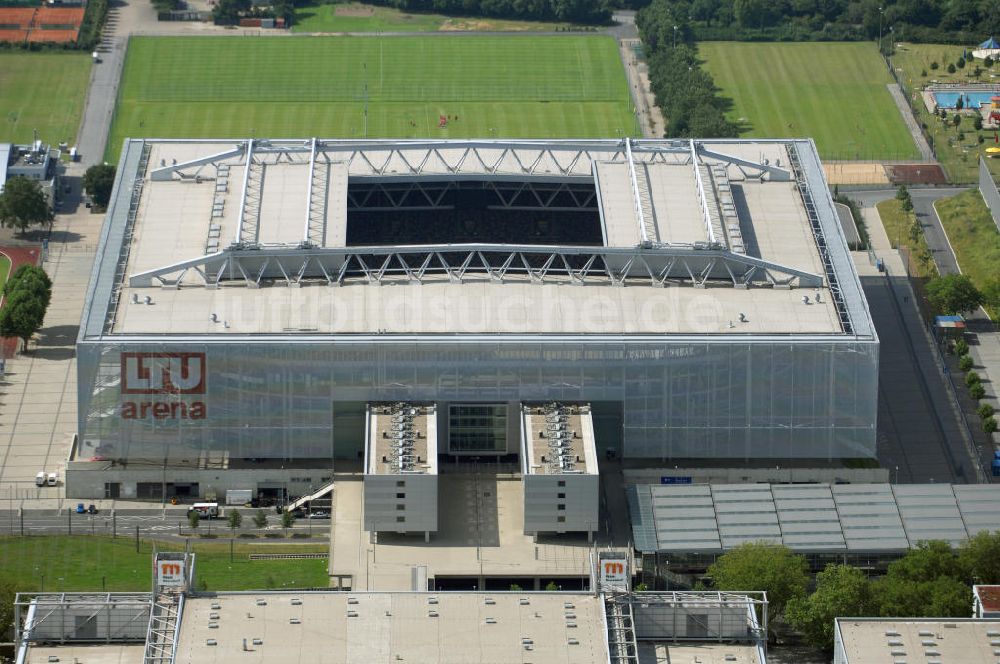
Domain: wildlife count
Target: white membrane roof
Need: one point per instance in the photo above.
(223, 248)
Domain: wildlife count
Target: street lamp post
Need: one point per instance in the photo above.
(675, 36)
(880, 14)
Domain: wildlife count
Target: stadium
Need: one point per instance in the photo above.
(263, 312)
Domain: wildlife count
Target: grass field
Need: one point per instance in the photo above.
(84, 562)
(43, 91)
(973, 236)
(572, 86)
(359, 17)
(4, 270)
(958, 156)
(834, 93)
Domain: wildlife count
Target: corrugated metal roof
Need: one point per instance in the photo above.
(869, 517)
(813, 518)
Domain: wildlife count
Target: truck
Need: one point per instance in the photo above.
(206, 510)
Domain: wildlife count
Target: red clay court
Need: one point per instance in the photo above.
(40, 24)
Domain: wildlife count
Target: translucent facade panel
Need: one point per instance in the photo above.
(794, 399)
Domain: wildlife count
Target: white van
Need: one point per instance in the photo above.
(40, 478)
(53, 479)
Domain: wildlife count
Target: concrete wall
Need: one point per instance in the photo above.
(419, 503)
(988, 188)
(580, 501)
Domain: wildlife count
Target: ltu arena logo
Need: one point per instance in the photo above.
(166, 375)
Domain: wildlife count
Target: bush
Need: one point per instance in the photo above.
(965, 363)
(989, 425)
(923, 72)
(985, 410)
(961, 347)
(934, 65)
(977, 122)
(972, 378)
(960, 63)
(977, 391)
(951, 68)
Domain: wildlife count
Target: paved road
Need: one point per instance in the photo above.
(923, 205)
(151, 523)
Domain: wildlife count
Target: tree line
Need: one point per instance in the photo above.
(684, 91)
(933, 580)
(949, 21)
(573, 11)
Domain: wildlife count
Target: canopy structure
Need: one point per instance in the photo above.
(989, 48)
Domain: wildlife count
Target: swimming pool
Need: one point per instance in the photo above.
(970, 98)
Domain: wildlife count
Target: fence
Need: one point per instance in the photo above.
(988, 188)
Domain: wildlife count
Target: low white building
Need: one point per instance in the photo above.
(401, 487)
(559, 468)
(927, 640)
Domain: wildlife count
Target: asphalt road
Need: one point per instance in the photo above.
(923, 205)
(150, 522)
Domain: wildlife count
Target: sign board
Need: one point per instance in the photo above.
(170, 572)
(613, 572)
(674, 480)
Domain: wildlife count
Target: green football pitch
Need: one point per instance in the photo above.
(43, 91)
(487, 86)
(834, 93)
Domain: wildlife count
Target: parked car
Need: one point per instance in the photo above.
(319, 514)
(91, 509)
(80, 509)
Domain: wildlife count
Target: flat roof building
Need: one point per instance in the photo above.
(894, 640)
(250, 298)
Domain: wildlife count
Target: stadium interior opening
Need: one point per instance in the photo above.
(472, 211)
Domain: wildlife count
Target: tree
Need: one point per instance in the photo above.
(235, 519)
(953, 294)
(287, 521)
(929, 580)
(32, 279)
(98, 182)
(972, 378)
(762, 566)
(194, 518)
(951, 68)
(965, 363)
(977, 391)
(989, 424)
(983, 411)
(260, 519)
(23, 204)
(27, 295)
(980, 555)
(841, 590)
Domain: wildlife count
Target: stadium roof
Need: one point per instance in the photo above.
(815, 518)
(743, 232)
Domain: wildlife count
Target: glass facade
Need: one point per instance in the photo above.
(477, 428)
(295, 400)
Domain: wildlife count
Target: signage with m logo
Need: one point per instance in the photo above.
(163, 373)
(170, 573)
